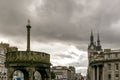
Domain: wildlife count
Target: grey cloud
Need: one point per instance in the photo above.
(13, 16)
(53, 20)
(73, 53)
(64, 56)
(59, 25)
(64, 21)
(79, 64)
(82, 62)
(83, 71)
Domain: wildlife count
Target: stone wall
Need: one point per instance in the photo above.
(24, 56)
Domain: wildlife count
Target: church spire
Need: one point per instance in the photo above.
(98, 43)
(91, 38)
(98, 40)
(92, 43)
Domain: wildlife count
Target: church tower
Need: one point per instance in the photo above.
(91, 46)
(98, 48)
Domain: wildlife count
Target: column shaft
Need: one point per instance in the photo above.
(97, 72)
(93, 74)
(10, 74)
(28, 37)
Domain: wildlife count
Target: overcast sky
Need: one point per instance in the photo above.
(61, 27)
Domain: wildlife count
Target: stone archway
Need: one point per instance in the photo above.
(44, 73)
(28, 63)
(15, 72)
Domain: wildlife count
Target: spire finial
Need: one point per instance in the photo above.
(91, 37)
(28, 21)
(98, 43)
(98, 39)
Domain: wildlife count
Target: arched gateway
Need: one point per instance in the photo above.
(28, 62)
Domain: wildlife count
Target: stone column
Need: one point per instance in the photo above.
(97, 72)
(10, 74)
(28, 35)
(31, 73)
(103, 73)
(90, 74)
(93, 73)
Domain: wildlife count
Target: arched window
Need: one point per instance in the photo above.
(37, 76)
(18, 75)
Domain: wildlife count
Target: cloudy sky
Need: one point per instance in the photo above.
(61, 27)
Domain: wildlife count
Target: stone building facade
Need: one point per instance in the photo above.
(103, 64)
(4, 48)
(79, 76)
(64, 73)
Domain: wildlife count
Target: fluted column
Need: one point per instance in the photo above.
(93, 73)
(102, 72)
(97, 72)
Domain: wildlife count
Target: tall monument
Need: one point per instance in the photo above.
(28, 62)
(28, 35)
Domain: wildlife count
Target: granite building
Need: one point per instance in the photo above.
(103, 64)
(64, 73)
(4, 48)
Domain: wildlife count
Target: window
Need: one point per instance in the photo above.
(109, 76)
(117, 75)
(108, 55)
(116, 55)
(116, 66)
(109, 66)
